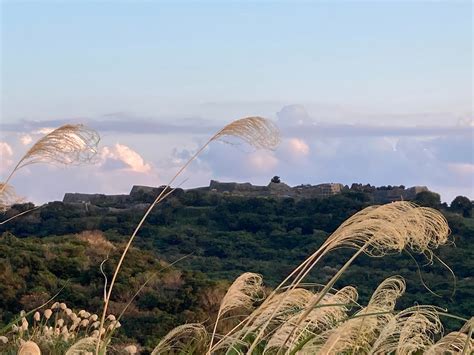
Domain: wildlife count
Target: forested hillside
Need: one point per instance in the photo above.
(215, 238)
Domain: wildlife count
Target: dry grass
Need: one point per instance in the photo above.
(56, 330)
(376, 231)
(460, 342)
(256, 131)
(68, 144)
(182, 340)
(97, 241)
(8, 197)
(332, 329)
(295, 320)
(242, 294)
(292, 319)
(29, 348)
(83, 346)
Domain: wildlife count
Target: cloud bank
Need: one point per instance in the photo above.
(312, 151)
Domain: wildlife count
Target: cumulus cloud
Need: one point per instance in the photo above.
(121, 156)
(117, 168)
(438, 157)
(6, 155)
(261, 162)
(463, 169)
(298, 146)
(291, 115)
(26, 139)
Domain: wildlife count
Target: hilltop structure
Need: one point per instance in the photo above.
(142, 194)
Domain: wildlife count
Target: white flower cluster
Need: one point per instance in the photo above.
(57, 324)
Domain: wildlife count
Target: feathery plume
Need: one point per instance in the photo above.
(411, 330)
(29, 348)
(82, 346)
(330, 312)
(256, 131)
(357, 334)
(376, 231)
(182, 338)
(293, 300)
(243, 293)
(68, 144)
(452, 343)
(8, 196)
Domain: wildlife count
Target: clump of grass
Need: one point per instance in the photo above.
(185, 339)
(242, 294)
(460, 342)
(97, 242)
(376, 231)
(57, 330)
(334, 309)
(295, 320)
(333, 329)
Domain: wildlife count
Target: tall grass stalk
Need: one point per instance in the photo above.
(376, 230)
(256, 131)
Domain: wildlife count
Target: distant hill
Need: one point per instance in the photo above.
(278, 189)
(223, 230)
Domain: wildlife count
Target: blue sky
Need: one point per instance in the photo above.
(392, 64)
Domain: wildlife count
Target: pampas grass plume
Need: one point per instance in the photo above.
(29, 348)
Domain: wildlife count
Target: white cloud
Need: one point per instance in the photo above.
(294, 115)
(44, 130)
(6, 155)
(262, 161)
(124, 157)
(438, 157)
(463, 169)
(298, 146)
(26, 139)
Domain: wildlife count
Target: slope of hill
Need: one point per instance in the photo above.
(221, 236)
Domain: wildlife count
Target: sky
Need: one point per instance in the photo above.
(375, 92)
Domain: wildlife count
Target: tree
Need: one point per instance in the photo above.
(462, 204)
(428, 199)
(276, 180)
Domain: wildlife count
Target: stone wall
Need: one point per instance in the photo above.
(95, 199)
(147, 193)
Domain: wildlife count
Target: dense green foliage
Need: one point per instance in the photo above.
(225, 236)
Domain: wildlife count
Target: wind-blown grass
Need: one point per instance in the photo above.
(8, 197)
(242, 294)
(184, 339)
(376, 231)
(256, 131)
(295, 320)
(68, 144)
(56, 330)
